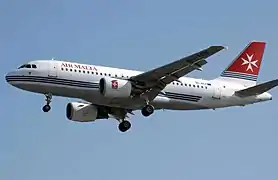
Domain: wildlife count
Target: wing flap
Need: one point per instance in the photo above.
(176, 75)
(258, 89)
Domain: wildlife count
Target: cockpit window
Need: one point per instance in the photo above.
(28, 66)
(23, 66)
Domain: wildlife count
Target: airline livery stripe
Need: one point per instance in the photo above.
(239, 76)
(58, 83)
(91, 85)
(179, 98)
(54, 81)
(244, 74)
(184, 97)
(47, 79)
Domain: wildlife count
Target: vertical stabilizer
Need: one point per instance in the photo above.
(245, 67)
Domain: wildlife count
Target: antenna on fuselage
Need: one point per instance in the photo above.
(53, 58)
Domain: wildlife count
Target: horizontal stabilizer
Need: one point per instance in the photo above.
(258, 89)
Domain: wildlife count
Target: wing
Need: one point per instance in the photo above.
(153, 81)
(188, 64)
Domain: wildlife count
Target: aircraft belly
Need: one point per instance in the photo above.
(92, 95)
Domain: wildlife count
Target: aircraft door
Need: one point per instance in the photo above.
(216, 93)
(52, 69)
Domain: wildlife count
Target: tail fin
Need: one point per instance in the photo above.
(245, 67)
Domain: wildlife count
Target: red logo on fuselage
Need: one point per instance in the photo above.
(115, 84)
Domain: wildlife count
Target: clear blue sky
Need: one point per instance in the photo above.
(233, 143)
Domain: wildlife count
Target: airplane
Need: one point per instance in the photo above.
(106, 92)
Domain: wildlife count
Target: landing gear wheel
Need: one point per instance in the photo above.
(124, 126)
(147, 110)
(46, 108)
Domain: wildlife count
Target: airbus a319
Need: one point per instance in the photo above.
(108, 92)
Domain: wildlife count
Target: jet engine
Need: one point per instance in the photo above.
(81, 112)
(115, 88)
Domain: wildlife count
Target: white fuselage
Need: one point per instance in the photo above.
(74, 80)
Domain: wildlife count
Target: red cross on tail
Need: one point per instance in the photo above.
(245, 67)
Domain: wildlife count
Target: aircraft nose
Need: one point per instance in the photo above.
(9, 76)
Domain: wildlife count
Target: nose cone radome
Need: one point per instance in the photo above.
(7, 77)
(10, 77)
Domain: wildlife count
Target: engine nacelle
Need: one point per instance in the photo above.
(115, 88)
(81, 112)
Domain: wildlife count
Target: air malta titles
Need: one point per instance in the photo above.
(78, 66)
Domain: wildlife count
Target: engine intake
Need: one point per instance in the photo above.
(115, 88)
(81, 112)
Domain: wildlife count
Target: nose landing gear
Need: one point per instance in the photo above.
(47, 107)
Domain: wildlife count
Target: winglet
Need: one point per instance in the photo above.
(216, 49)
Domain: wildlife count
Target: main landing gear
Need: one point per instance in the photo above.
(124, 126)
(47, 107)
(147, 110)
